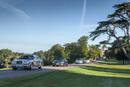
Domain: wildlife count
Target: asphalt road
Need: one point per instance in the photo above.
(18, 73)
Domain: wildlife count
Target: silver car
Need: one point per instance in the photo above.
(27, 62)
(79, 61)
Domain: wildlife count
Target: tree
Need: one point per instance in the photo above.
(40, 54)
(72, 51)
(48, 57)
(116, 27)
(83, 42)
(115, 52)
(5, 57)
(17, 55)
(58, 51)
(77, 49)
(94, 52)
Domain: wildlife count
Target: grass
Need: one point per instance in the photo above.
(113, 62)
(99, 75)
(5, 68)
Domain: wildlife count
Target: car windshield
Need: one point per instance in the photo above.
(26, 57)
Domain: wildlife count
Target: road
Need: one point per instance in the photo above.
(18, 73)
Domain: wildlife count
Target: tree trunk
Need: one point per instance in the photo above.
(125, 53)
(128, 35)
(123, 49)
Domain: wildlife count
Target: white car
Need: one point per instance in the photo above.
(86, 61)
(27, 62)
(79, 61)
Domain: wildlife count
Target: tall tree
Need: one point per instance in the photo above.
(94, 52)
(48, 57)
(116, 27)
(83, 42)
(72, 51)
(58, 51)
(77, 49)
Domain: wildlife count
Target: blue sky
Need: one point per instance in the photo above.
(32, 25)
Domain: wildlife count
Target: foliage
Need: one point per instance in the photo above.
(94, 52)
(116, 27)
(58, 51)
(72, 51)
(48, 57)
(115, 52)
(5, 57)
(40, 54)
(83, 46)
(77, 49)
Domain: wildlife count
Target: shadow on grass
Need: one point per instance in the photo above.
(94, 68)
(65, 79)
(114, 62)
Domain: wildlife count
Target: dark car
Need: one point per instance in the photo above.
(60, 62)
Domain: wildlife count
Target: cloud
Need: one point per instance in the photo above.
(84, 26)
(19, 12)
(83, 13)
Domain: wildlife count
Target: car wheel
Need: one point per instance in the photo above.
(40, 67)
(31, 67)
(66, 64)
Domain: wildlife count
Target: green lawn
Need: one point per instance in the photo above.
(89, 76)
(5, 68)
(113, 62)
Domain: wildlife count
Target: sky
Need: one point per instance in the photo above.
(32, 25)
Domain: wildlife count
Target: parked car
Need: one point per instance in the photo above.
(60, 62)
(100, 60)
(79, 61)
(27, 62)
(86, 61)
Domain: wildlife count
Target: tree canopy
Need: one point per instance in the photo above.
(116, 27)
(5, 57)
